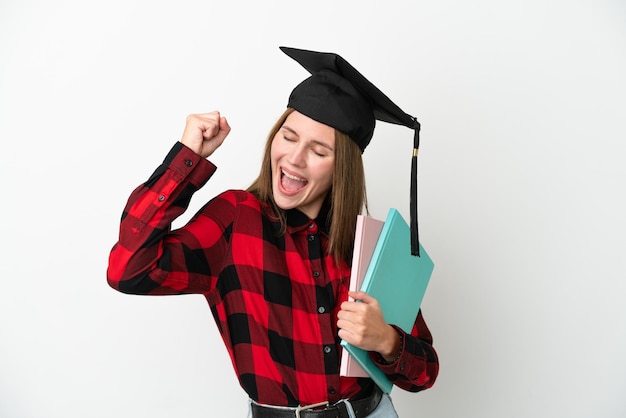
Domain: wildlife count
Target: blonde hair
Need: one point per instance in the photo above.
(346, 199)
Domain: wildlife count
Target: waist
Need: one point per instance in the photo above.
(362, 407)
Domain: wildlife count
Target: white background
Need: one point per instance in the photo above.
(522, 175)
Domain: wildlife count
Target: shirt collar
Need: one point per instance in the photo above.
(297, 221)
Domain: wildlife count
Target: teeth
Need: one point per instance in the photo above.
(292, 177)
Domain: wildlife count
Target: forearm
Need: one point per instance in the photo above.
(136, 259)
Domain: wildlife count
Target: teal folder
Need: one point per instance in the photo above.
(398, 280)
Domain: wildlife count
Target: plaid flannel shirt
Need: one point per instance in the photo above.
(274, 298)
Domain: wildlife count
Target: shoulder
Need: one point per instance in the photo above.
(242, 211)
(239, 203)
(238, 197)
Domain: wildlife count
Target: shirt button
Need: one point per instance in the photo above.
(311, 237)
(331, 390)
(311, 226)
(321, 309)
(327, 349)
(161, 198)
(188, 163)
(316, 274)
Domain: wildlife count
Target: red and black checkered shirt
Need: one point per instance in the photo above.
(274, 297)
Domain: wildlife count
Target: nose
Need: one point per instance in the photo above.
(296, 155)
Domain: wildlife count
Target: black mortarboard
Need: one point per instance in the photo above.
(337, 95)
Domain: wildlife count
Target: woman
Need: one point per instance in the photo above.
(274, 261)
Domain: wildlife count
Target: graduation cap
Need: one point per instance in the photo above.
(337, 95)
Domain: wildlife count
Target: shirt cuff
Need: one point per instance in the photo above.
(189, 165)
(397, 365)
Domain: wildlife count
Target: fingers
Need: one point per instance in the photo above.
(222, 132)
(357, 330)
(348, 316)
(358, 311)
(352, 321)
(361, 323)
(224, 126)
(350, 337)
(351, 331)
(205, 132)
(362, 296)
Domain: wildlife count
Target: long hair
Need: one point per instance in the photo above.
(346, 198)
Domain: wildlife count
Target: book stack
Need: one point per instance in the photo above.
(383, 267)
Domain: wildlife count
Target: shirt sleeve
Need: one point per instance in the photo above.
(417, 366)
(148, 257)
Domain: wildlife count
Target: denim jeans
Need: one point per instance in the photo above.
(384, 409)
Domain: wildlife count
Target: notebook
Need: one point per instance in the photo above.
(365, 239)
(398, 280)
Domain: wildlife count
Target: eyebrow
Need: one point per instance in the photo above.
(315, 141)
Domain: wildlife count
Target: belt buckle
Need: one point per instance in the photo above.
(315, 405)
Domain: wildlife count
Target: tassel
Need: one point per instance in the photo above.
(415, 247)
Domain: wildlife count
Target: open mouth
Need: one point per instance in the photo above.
(291, 183)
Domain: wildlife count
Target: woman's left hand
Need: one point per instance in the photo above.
(363, 325)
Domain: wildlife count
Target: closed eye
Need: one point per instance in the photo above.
(319, 152)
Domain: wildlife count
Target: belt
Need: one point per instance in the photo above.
(361, 407)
